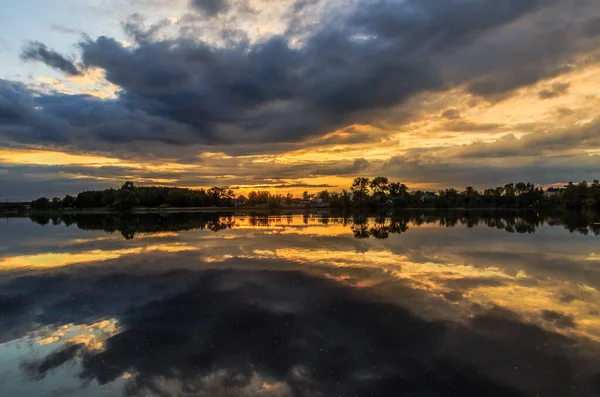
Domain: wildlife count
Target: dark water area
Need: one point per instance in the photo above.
(399, 304)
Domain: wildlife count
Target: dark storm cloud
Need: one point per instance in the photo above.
(556, 90)
(36, 51)
(544, 44)
(28, 117)
(10, 305)
(376, 57)
(206, 88)
(211, 7)
(313, 335)
(592, 27)
(21, 121)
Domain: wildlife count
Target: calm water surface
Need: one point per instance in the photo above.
(300, 305)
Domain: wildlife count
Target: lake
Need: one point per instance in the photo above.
(409, 304)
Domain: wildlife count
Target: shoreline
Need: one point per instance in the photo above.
(144, 210)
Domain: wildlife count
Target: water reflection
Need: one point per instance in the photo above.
(363, 226)
(130, 225)
(419, 304)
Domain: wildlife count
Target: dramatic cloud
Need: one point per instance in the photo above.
(377, 57)
(36, 51)
(319, 83)
(544, 44)
(21, 121)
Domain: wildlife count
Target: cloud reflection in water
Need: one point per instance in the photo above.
(277, 309)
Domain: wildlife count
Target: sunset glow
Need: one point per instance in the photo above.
(475, 118)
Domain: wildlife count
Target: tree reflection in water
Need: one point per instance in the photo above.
(362, 225)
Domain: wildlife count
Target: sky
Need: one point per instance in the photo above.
(295, 95)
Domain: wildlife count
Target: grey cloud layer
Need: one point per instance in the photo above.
(20, 121)
(181, 91)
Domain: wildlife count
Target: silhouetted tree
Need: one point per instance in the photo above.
(42, 203)
(68, 201)
(360, 190)
(128, 186)
(380, 187)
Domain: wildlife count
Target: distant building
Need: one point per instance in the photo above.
(428, 196)
(389, 203)
(317, 202)
(305, 202)
(553, 191)
(239, 201)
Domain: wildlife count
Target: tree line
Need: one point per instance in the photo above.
(513, 195)
(363, 193)
(129, 196)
